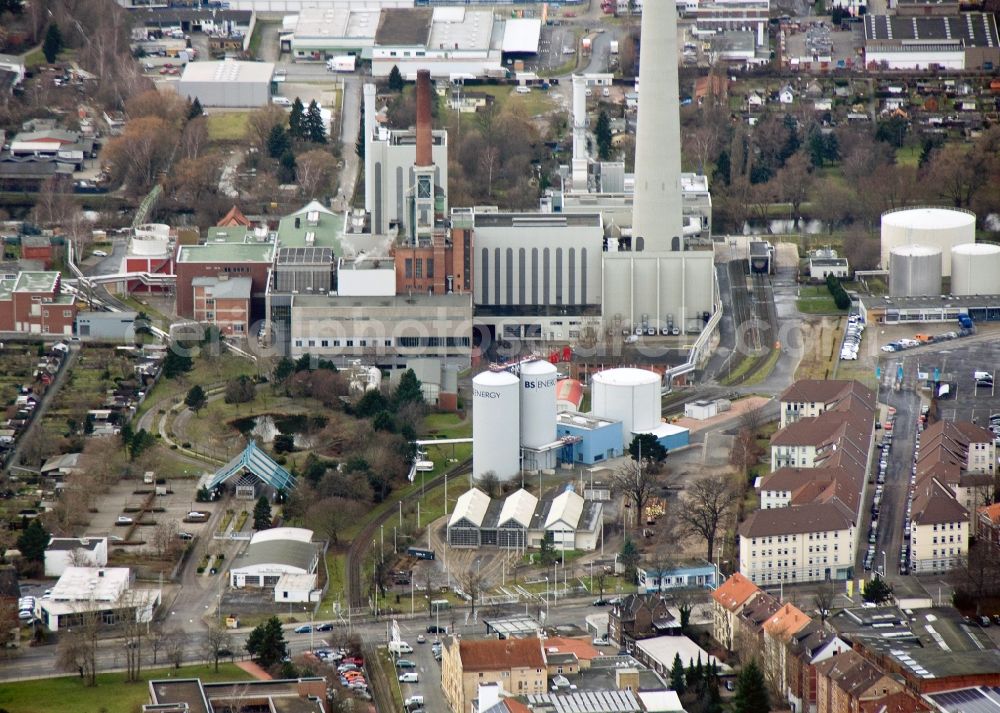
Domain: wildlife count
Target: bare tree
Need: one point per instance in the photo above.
(472, 583)
(636, 483)
(156, 639)
(824, 599)
(705, 504)
(489, 483)
(165, 537)
(173, 647)
(217, 640)
(78, 648)
(129, 603)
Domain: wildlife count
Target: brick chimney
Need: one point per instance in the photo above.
(424, 157)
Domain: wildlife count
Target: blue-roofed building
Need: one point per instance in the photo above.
(593, 439)
(251, 467)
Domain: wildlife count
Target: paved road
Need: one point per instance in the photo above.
(350, 127)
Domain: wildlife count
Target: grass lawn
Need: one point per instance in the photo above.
(908, 155)
(228, 125)
(765, 371)
(816, 299)
(34, 59)
(447, 425)
(67, 694)
(206, 371)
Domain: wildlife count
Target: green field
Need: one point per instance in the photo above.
(816, 299)
(228, 125)
(68, 694)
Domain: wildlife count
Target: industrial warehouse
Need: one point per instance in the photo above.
(521, 520)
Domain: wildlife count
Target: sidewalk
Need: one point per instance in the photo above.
(254, 670)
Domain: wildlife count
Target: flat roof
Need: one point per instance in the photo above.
(228, 71)
(666, 429)
(521, 624)
(415, 300)
(228, 234)
(85, 583)
(981, 699)
(537, 220)
(930, 302)
(36, 282)
(317, 226)
(663, 649)
(972, 29)
(234, 288)
(404, 26)
(226, 252)
(336, 23)
(460, 28)
(522, 35)
(584, 421)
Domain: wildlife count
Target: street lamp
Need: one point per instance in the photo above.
(883, 564)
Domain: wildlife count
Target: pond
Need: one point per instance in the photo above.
(265, 427)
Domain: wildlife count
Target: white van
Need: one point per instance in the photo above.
(414, 701)
(522, 89)
(409, 677)
(400, 647)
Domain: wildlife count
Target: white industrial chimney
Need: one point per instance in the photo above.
(657, 208)
(580, 158)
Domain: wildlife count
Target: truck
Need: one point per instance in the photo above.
(586, 45)
(965, 321)
(613, 47)
(344, 63)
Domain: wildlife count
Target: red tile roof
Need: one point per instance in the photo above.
(736, 590)
(501, 654)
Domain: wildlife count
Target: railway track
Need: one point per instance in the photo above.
(754, 318)
(355, 553)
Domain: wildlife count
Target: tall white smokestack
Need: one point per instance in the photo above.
(657, 208)
(369, 128)
(579, 132)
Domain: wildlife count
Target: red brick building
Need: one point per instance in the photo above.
(37, 247)
(33, 303)
(252, 260)
(222, 301)
(443, 265)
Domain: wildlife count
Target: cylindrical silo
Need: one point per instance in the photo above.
(975, 269)
(941, 228)
(538, 403)
(631, 396)
(496, 418)
(914, 271)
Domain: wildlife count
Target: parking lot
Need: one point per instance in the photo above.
(427, 668)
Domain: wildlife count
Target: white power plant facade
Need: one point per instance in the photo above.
(631, 396)
(975, 269)
(496, 418)
(941, 228)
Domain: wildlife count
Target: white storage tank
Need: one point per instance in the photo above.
(631, 396)
(941, 228)
(975, 269)
(914, 271)
(538, 403)
(150, 239)
(496, 424)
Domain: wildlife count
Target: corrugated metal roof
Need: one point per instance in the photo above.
(566, 508)
(519, 506)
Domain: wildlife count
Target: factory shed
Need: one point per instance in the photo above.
(521, 36)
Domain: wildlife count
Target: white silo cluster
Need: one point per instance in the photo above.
(975, 269)
(631, 396)
(941, 228)
(914, 271)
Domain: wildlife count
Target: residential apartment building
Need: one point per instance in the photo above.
(811, 502)
(33, 303)
(517, 665)
(640, 616)
(810, 397)
(778, 631)
(748, 625)
(939, 532)
(727, 602)
(848, 683)
(805, 543)
(988, 524)
(809, 646)
(961, 456)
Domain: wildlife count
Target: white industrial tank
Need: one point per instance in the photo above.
(975, 269)
(914, 271)
(631, 396)
(941, 228)
(150, 239)
(496, 420)
(538, 403)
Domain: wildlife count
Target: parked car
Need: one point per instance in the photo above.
(100, 253)
(409, 677)
(303, 629)
(324, 627)
(405, 663)
(433, 629)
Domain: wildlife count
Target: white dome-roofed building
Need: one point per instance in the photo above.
(629, 395)
(975, 269)
(496, 424)
(273, 553)
(941, 228)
